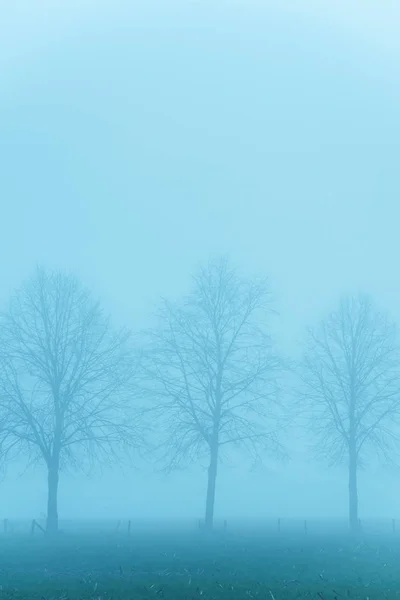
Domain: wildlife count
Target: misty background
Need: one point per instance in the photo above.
(139, 138)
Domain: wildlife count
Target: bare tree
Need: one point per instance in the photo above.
(212, 372)
(64, 380)
(351, 376)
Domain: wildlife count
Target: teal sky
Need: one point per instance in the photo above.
(139, 138)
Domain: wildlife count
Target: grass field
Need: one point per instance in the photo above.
(181, 564)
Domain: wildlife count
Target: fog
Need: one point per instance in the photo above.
(139, 139)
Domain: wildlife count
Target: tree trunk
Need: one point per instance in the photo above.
(212, 477)
(353, 494)
(52, 509)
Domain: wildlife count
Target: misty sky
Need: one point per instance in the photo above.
(139, 138)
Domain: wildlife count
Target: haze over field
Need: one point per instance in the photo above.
(137, 139)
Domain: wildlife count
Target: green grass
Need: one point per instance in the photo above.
(183, 565)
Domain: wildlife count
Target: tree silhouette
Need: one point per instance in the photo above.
(64, 380)
(351, 389)
(212, 372)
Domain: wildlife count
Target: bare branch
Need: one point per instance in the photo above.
(210, 371)
(66, 377)
(351, 382)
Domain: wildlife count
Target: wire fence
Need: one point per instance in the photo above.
(250, 527)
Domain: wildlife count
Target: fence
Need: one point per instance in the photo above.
(239, 526)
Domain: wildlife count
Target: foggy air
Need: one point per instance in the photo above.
(199, 346)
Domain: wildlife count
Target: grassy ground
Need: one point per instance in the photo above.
(178, 566)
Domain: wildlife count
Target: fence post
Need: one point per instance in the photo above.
(225, 525)
(129, 527)
(33, 526)
(305, 527)
(38, 525)
(394, 525)
(279, 525)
